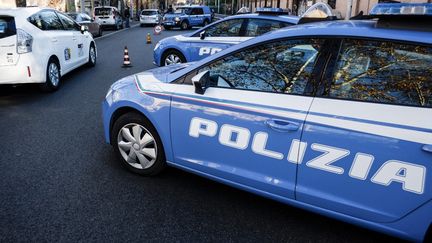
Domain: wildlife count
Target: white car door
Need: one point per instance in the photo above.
(78, 56)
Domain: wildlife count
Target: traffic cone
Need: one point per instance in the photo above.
(148, 38)
(126, 60)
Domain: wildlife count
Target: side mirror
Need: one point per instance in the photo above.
(83, 29)
(200, 81)
(202, 35)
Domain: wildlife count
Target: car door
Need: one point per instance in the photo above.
(197, 15)
(79, 47)
(216, 38)
(60, 41)
(256, 27)
(247, 124)
(367, 140)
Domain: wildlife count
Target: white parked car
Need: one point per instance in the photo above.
(39, 45)
(150, 16)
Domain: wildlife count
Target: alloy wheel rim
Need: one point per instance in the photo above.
(53, 74)
(137, 146)
(92, 54)
(172, 59)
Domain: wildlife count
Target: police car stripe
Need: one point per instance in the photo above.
(222, 40)
(364, 126)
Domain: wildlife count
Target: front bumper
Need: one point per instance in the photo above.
(171, 23)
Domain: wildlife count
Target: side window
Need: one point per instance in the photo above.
(282, 67)
(383, 72)
(258, 27)
(46, 20)
(225, 29)
(85, 17)
(68, 23)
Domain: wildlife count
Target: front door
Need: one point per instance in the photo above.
(247, 125)
(217, 37)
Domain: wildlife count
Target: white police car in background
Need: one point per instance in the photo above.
(334, 117)
(220, 35)
(40, 45)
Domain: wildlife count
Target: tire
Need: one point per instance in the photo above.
(53, 76)
(172, 57)
(100, 32)
(144, 158)
(184, 25)
(206, 22)
(141, 25)
(92, 56)
(167, 27)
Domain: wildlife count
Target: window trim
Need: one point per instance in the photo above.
(325, 83)
(315, 70)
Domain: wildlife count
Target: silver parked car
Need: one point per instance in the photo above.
(150, 16)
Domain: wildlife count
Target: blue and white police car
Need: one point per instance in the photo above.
(219, 35)
(187, 17)
(334, 117)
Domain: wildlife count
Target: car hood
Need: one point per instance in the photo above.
(158, 75)
(172, 15)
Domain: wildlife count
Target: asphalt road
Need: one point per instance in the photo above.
(59, 181)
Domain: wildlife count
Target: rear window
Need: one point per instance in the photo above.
(147, 13)
(7, 26)
(102, 11)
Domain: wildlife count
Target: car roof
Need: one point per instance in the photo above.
(280, 17)
(339, 28)
(350, 28)
(22, 11)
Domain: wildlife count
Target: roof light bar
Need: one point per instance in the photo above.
(414, 9)
(271, 11)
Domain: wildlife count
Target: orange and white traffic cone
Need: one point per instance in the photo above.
(126, 60)
(148, 38)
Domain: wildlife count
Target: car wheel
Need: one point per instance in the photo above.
(100, 32)
(138, 145)
(53, 75)
(141, 25)
(92, 56)
(172, 57)
(184, 25)
(167, 27)
(206, 22)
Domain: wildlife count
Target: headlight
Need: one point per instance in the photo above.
(177, 19)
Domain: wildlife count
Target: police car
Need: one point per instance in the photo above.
(334, 117)
(187, 17)
(219, 35)
(40, 45)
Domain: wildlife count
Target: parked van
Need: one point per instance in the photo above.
(108, 17)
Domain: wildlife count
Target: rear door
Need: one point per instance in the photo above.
(368, 140)
(8, 39)
(196, 16)
(217, 38)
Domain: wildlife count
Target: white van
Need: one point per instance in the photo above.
(108, 16)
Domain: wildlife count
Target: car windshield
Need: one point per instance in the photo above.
(102, 11)
(147, 13)
(182, 11)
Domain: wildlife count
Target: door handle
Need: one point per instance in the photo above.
(54, 40)
(427, 148)
(282, 126)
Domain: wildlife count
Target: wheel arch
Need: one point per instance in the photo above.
(166, 143)
(171, 49)
(56, 59)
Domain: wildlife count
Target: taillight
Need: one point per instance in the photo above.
(24, 42)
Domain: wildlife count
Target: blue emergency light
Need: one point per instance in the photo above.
(271, 11)
(413, 9)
